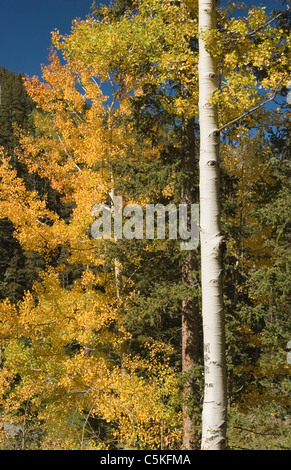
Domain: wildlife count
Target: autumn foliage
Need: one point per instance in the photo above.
(90, 354)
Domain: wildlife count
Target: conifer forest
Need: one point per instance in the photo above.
(138, 336)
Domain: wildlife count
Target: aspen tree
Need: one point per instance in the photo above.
(214, 406)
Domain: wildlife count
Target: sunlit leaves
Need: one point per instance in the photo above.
(61, 361)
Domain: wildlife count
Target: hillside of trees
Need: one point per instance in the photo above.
(102, 343)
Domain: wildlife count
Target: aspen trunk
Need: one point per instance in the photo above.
(214, 405)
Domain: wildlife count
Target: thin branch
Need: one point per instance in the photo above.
(255, 432)
(78, 116)
(246, 113)
(269, 22)
(86, 420)
(133, 273)
(114, 94)
(262, 26)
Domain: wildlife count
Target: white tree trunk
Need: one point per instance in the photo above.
(215, 404)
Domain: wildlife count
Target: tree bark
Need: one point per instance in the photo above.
(190, 308)
(190, 353)
(215, 403)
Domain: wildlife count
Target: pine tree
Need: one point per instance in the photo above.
(15, 110)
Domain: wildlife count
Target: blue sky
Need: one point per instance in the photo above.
(26, 25)
(25, 30)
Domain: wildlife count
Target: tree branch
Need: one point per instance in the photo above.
(255, 432)
(246, 113)
(251, 33)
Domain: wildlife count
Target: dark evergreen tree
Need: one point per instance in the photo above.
(257, 279)
(18, 269)
(15, 110)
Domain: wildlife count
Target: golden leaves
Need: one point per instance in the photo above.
(58, 345)
(63, 342)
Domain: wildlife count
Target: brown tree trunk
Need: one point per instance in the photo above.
(190, 307)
